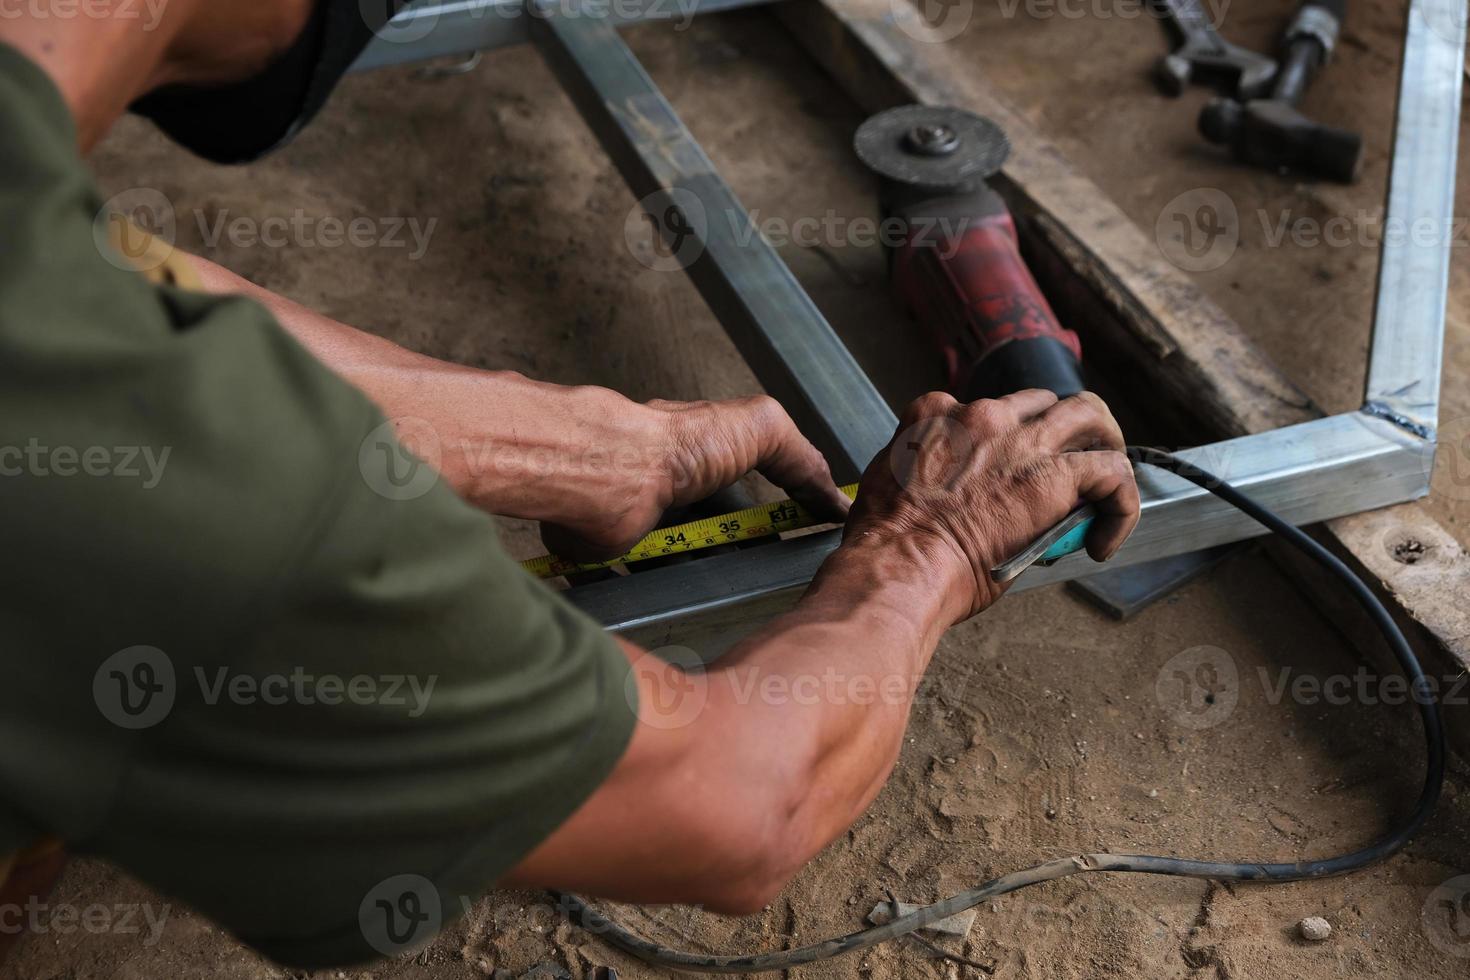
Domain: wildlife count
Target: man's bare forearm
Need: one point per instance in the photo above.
(510, 444)
(842, 669)
(594, 466)
(740, 774)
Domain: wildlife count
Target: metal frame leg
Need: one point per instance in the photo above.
(1326, 468)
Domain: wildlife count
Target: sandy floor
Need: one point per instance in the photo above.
(1048, 729)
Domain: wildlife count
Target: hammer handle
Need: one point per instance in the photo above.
(1337, 9)
(1306, 46)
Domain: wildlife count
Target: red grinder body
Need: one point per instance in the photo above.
(957, 267)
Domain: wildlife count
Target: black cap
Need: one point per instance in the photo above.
(241, 121)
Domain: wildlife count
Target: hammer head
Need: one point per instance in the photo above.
(1271, 133)
(1223, 66)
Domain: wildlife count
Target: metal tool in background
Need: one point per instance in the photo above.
(958, 268)
(1271, 132)
(1203, 57)
(960, 273)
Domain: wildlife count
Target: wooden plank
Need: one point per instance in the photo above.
(1110, 281)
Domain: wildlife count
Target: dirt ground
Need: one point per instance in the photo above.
(1047, 729)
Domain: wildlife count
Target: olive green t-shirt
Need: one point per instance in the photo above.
(250, 651)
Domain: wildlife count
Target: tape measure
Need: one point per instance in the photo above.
(764, 520)
(760, 521)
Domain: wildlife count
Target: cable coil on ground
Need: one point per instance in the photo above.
(590, 919)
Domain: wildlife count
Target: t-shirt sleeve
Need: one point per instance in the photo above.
(409, 713)
(256, 653)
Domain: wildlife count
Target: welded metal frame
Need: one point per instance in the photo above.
(1379, 455)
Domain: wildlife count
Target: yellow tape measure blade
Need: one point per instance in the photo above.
(759, 521)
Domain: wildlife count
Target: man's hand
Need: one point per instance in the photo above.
(665, 454)
(964, 487)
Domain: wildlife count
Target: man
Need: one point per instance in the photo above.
(166, 704)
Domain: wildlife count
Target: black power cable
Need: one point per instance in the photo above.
(592, 920)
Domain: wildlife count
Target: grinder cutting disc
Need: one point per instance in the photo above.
(931, 146)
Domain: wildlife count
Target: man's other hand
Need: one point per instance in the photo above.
(964, 487)
(667, 454)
